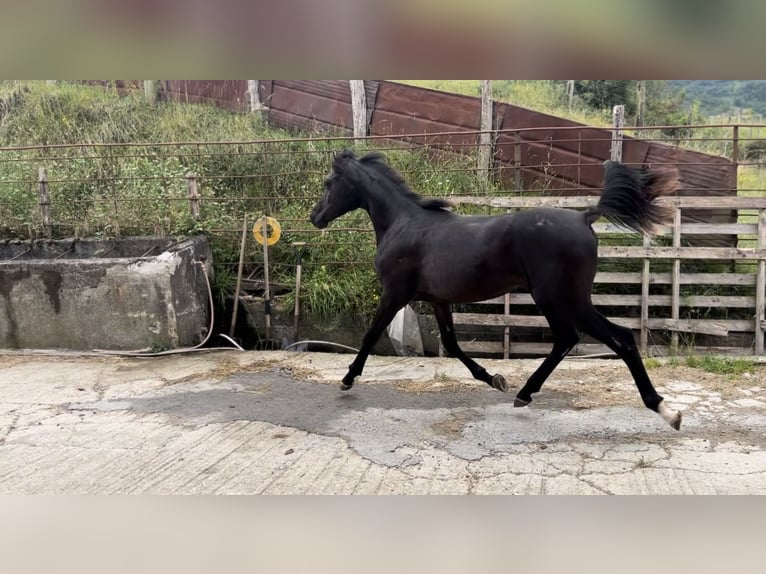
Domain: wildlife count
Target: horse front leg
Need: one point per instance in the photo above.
(387, 309)
(449, 340)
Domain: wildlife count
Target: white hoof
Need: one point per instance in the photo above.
(673, 418)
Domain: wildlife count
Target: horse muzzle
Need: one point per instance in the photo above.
(318, 219)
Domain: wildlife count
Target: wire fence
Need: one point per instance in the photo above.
(181, 188)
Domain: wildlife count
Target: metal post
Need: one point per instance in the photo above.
(266, 292)
(45, 202)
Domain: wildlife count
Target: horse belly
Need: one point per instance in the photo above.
(469, 280)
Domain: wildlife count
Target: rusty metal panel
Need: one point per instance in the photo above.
(564, 159)
(228, 94)
(393, 124)
(402, 109)
(311, 106)
(701, 174)
(324, 105)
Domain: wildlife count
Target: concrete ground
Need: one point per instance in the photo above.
(276, 423)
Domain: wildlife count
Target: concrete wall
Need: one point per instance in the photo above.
(103, 294)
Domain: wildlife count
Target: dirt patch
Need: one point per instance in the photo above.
(438, 385)
(453, 425)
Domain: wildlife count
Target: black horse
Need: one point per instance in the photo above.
(427, 253)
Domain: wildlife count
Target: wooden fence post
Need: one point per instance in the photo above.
(644, 325)
(675, 301)
(358, 107)
(517, 162)
(191, 184)
(640, 102)
(45, 202)
(152, 90)
(485, 125)
(618, 123)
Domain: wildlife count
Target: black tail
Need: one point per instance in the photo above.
(630, 197)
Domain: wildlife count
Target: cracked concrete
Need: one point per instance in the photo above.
(276, 423)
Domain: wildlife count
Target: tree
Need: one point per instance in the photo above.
(605, 94)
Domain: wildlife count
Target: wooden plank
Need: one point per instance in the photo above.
(611, 300)
(527, 349)
(532, 201)
(609, 277)
(499, 320)
(688, 229)
(685, 325)
(724, 301)
(718, 253)
(619, 278)
(584, 349)
(707, 327)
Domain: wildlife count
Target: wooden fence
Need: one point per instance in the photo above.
(728, 319)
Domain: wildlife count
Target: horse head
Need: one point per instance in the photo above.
(341, 193)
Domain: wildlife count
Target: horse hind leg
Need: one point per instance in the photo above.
(449, 340)
(621, 341)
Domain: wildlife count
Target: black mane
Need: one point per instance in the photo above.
(376, 162)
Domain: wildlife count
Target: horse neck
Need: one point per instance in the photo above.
(385, 207)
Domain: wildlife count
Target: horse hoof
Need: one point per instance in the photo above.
(345, 387)
(498, 382)
(673, 418)
(517, 402)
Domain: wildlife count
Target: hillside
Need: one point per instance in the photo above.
(725, 96)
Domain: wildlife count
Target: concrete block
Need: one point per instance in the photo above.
(118, 294)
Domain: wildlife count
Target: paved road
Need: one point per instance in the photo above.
(276, 423)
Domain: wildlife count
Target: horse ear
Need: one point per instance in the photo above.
(340, 161)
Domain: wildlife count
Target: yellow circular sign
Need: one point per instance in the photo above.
(272, 235)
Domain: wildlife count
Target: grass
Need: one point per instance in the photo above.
(652, 363)
(720, 365)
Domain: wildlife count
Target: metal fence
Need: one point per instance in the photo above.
(699, 284)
